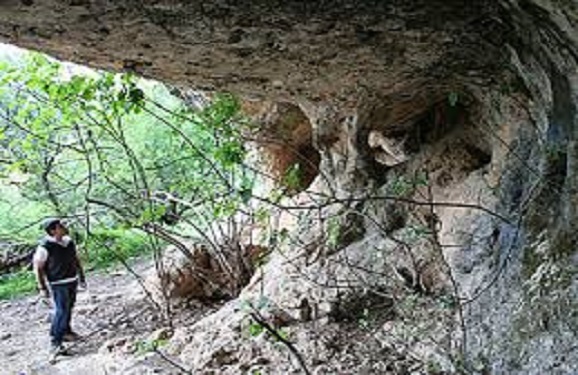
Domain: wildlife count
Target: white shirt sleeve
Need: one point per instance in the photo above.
(40, 255)
(66, 240)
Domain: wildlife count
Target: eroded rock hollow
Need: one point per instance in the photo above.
(451, 118)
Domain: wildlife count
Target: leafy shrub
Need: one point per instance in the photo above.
(17, 284)
(107, 247)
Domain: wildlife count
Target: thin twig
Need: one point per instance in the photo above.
(172, 362)
(259, 319)
(414, 202)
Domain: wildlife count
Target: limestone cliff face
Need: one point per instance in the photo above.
(289, 47)
(480, 99)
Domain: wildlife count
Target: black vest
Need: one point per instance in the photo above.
(61, 263)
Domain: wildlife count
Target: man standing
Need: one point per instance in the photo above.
(58, 272)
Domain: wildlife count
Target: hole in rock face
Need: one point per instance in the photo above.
(436, 122)
(287, 148)
(444, 129)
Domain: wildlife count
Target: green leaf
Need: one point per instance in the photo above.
(453, 98)
(283, 334)
(333, 231)
(255, 329)
(293, 176)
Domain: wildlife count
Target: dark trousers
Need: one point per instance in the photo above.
(64, 297)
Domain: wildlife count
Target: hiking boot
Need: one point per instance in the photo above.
(55, 351)
(71, 336)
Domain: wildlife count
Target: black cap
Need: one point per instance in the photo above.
(50, 224)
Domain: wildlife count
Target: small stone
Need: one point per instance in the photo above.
(129, 348)
(149, 356)
(86, 310)
(113, 344)
(5, 336)
(160, 334)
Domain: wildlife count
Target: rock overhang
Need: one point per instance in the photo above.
(279, 49)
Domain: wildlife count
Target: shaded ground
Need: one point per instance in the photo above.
(113, 316)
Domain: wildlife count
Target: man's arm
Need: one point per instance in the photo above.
(79, 268)
(81, 276)
(39, 262)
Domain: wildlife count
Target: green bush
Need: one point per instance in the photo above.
(17, 284)
(18, 213)
(107, 247)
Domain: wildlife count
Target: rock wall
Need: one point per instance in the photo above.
(269, 48)
(447, 140)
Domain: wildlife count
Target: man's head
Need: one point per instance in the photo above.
(55, 228)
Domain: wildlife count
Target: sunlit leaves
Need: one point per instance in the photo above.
(229, 153)
(292, 177)
(78, 132)
(152, 213)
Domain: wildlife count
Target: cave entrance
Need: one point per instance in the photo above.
(286, 148)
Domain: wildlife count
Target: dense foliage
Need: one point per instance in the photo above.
(110, 147)
(112, 154)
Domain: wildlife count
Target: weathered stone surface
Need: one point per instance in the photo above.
(287, 47)
(283, 143)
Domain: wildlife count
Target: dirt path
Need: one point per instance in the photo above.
(113, 316)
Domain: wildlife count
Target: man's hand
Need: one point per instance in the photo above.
(43, 291)
(44, 295)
